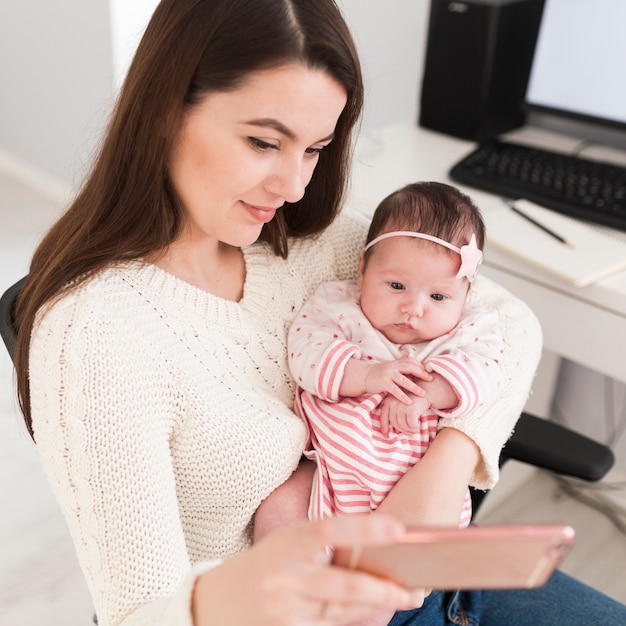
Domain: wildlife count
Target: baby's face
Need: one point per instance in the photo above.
(409, 289)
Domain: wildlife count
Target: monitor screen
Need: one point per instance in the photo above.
(579, 66)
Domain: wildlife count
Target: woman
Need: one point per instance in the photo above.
(151, 353)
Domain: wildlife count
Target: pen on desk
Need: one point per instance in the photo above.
(545, 229)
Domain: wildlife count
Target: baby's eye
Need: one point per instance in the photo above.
(261, 145)
(396, 286)
(439, 297)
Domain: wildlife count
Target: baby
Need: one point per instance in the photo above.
(378, 360)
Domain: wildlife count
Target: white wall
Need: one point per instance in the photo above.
(128, 21)
(55, 81)
(391, 39)
(61, 62)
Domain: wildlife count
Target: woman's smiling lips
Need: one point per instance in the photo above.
(260, 213)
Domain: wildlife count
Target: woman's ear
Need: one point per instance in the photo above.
(359, 278)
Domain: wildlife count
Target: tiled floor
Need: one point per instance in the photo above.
(40, 582)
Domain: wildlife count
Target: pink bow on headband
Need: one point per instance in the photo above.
(471, 256)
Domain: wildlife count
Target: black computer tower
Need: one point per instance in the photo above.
(478, 59)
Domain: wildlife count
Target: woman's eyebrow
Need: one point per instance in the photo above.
(268, 122)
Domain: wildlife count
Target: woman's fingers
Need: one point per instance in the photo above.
(288, 578)
(322, 593)
(341, 595)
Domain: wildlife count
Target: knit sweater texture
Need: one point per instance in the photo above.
(162, 414)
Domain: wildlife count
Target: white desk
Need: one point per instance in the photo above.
(586, 325)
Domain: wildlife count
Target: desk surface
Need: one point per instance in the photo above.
(586, 325)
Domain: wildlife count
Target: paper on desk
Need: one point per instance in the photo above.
(593, 254)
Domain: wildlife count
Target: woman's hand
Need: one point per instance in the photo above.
(287, 579)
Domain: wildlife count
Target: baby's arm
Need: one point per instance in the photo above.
(466, 373)
(437, 394)
(397, 378)
(470, 361)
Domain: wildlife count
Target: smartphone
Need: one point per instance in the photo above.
(477, 557)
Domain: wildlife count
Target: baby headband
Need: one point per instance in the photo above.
(471, 256)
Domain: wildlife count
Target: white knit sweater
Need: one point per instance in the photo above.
(162, 414)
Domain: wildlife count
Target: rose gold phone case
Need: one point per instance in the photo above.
(478, 557)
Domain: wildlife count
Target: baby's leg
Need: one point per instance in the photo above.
(286, 504)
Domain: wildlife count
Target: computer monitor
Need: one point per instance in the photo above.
(577, 82)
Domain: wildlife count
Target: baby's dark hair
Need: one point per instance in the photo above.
(432, 208)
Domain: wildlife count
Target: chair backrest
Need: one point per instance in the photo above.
(7, 315)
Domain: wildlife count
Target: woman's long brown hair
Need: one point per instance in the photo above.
(127, 208)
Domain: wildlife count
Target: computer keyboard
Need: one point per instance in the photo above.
(581, 188)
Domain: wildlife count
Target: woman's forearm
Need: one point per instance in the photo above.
(432, 492)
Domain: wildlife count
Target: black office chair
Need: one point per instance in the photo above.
(535, 441)
(7, 315)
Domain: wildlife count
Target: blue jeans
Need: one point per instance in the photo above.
(563, 601)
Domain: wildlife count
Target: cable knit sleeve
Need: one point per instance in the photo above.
(490, 427)
(103, 430)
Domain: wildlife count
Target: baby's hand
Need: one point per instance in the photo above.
(402, 418)
(397, 378)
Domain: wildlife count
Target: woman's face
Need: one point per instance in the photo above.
(241, 154)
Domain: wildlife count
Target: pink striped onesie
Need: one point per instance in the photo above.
(357, 465)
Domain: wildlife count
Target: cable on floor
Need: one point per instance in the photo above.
(596, 496)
